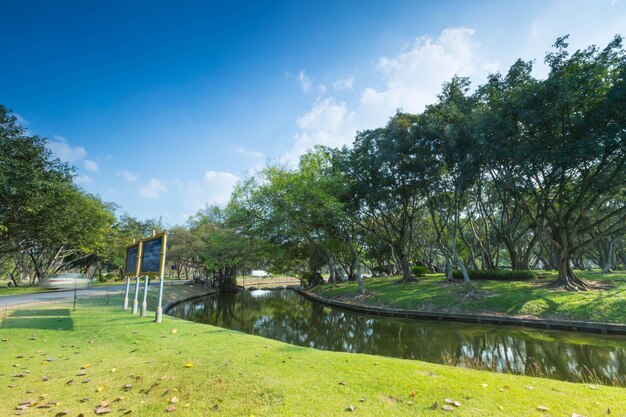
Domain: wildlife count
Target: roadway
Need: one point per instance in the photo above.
(48, 296)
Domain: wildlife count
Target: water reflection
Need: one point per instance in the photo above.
(287, 316)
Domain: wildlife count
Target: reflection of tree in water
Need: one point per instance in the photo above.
(286, 316)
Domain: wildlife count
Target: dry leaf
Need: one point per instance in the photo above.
(449, 401)
(351, 408)
(189, 365)
(45, 378)
(104, 403)
(103, 410)
(113, 370)
(447, 408)
(457, 403)
(174, 399)
(174, 331)
(170, 408)
(576, 415)
(542, 408)
(85, 366)
(100, 389)
(61, 413)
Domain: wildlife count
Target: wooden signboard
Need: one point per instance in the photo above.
(131, 263)
(153, 255)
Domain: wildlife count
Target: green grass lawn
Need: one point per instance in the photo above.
(133, 364)
(4, 290)
(522, 298)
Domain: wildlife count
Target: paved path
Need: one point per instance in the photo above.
(42, 297)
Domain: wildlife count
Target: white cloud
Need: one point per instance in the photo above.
(413, 78)
(247, 152)
(90, 165)
(328, 123)
(83, 179)
(305, 82)
(64, 151)
(343, 84)
(152, 190)
(214, 188)
(127, 175)
(21, 120)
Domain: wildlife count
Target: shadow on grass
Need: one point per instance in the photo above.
(43, 319)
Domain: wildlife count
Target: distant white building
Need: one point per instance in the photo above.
(259, 273)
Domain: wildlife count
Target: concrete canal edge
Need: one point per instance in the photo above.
(584, 326)
(171, 304)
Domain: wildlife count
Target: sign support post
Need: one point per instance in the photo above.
(144, 304)
(125, 306)
(159, 310)
(136, 300)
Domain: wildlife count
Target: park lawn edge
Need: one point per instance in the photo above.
(517, 299)
(205, 370)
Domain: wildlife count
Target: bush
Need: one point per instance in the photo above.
(419, 270)
(497, 275)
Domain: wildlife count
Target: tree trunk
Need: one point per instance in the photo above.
(357, 272)
(331, 269)
(567, 278)
(455, 255)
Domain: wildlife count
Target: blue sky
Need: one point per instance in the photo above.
(162, 106)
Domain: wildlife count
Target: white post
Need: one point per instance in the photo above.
(144, 304)
(125, 306)
(159, 309)
(136, 300)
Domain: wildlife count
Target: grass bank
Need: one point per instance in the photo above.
(519, 299)
(77, 361)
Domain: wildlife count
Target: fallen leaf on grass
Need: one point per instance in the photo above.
(542, 408)
(351, 408)
(189, 365)
(84, 399)
(81, 373)
(174, 331)
(85, 366)
(170, 408)
(127, 387)
(45, 378)
(174, 399)
(70, 382)
(61, 413)
(103, 410)
(576, 415)
(100, 389)
(447, 408)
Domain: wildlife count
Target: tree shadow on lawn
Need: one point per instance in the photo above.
(43, 319)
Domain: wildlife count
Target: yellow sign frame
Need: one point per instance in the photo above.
(163, 236)
(139, 254)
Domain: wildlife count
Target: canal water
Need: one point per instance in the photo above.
(289, 317)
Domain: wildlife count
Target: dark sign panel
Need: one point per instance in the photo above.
(131, 267)
(152, 254)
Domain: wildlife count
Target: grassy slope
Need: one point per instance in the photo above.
(245, 375)
(510, 298)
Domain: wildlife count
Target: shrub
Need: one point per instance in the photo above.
(497, 275)
(419, 270)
